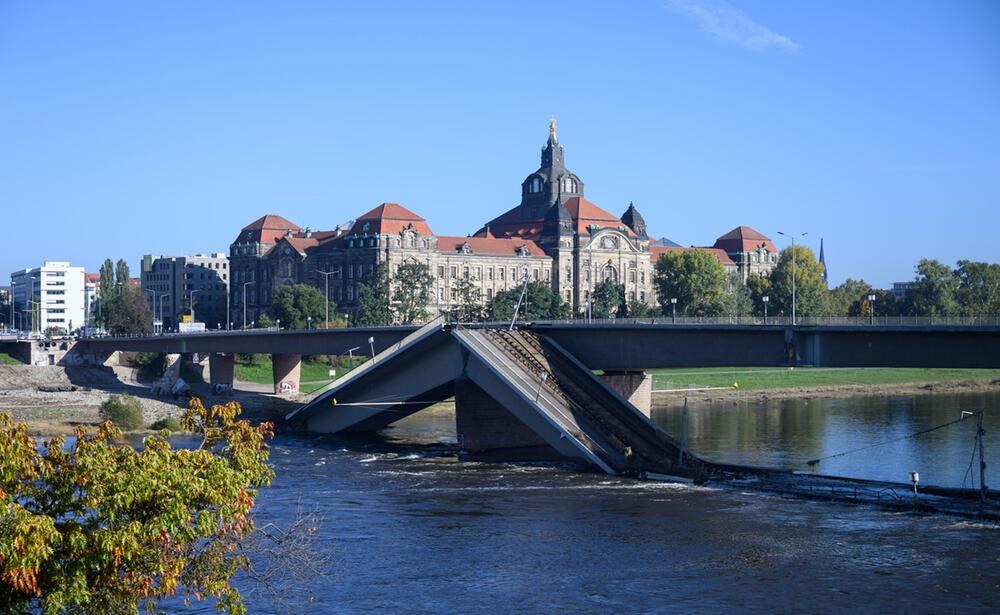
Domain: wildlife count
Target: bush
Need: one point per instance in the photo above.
(124, 410)
(166, 423)
(152, 363)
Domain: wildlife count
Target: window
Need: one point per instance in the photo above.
(465, 272)
(350, 272)
(454, 272)
(631, 276)
(440, 271)
(454, 294)
(642, 277)
(610, 274)
(569, 274)
(479, 273)
(501, 272)
(489, 294)
(440, 294)
(536, 185)
(586, 275)
(642, 296)
(534, 275)
(489, 273)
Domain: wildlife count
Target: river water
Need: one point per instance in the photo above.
(409, 528)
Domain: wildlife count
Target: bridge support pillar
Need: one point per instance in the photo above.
(286, 369)
(221, 370)
(488, 430)
(636, 387)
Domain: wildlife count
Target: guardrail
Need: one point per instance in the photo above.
(802, 321)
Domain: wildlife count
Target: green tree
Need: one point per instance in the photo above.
(695, 278)
(121, 273)
(641, 309)
(94, 525)
(295, 304)
(737, 300)
(470, 302)
(412, 292)
(608, 299)
(885, 304)
(759, 286)
(841, 299)
(979, 288)
(127, 313)
(935, 290)
(374, 307)
(539, 303)
(810, 288)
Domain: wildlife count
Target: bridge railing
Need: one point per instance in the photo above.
(914, 321)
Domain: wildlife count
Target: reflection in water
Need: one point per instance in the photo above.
(411, 529)
(787, 433)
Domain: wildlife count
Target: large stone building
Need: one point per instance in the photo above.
(554, 235)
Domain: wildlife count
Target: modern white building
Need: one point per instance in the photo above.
(49, 297)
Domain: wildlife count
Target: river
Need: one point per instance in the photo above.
(409, 528)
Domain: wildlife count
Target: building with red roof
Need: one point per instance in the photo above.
(553, 235)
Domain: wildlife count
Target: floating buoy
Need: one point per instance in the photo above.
(334, 401)
(736, 385)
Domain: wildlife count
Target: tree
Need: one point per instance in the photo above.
(695, 278)
(127, 313)
(294, 305)
(810, 288)
(759, 286)
(539, 303)
(934, 291)
(885, 304)
(470, 302)
(641, 309)
(840, 300)
(608, 299)
(979, 288)
(412, 292)
(93, 525)
(374, 307)
(737, 300)
(121, 273)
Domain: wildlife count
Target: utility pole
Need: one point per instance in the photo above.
(792, 237)
(980, 433)
(245, 284)
(326, 279)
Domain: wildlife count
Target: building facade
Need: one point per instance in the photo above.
(49, 298)
(175, 284)
(553, 235)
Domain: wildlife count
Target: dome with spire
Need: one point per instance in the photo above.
(551, 183)
(633, 219)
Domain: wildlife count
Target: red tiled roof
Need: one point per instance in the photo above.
(267, 229)
(585, 213)
(743, 239)
(299, 244)
(389, 219)
(656, 251)
(94, 278)
(489, 245)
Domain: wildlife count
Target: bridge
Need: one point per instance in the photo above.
(531, 392)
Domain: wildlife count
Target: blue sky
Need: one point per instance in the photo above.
(129, 128)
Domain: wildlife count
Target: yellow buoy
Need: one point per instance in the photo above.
(736, 385)
(334, 400)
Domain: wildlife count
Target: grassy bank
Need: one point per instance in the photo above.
(767, 378)
(313, 370)
(6, 359)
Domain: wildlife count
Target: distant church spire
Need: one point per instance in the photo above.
(822, 260)
(553, 139)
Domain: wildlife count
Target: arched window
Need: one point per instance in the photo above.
(536, 185)
(610, 274)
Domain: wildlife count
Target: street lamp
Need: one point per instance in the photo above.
(279, 324)
(765, 299)
(153, 295)
(191, 302)
(673, 307)
(309, 323)
(326, 279)
(871, 305)
(245, 284)
(792, 237)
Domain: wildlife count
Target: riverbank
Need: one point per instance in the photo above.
(675, 397)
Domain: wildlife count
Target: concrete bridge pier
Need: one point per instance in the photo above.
(221, 371)
(635, 386)
(488, 430)
(287, 369)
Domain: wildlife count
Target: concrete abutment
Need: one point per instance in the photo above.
(636, 387)
(488, 430)
(287, 370)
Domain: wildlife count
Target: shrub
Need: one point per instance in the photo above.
(152, 363)
(123, 410)
(166, 423)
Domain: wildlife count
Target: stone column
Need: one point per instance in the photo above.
(636, 387)
(487, 430)
(286, 369)
(221, 370)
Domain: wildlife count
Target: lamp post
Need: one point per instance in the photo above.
(152, 293)
(765, 299)
(792, 237)
(245, 284)
(309, 323)
(673, 307)
(326, 280)
(191, 302)
(871, 306)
